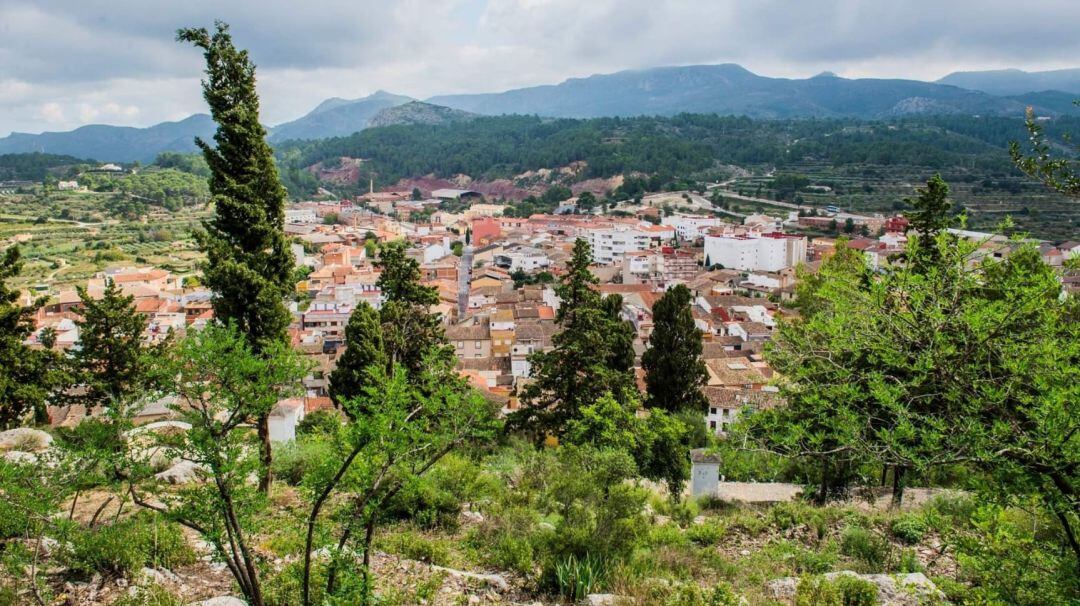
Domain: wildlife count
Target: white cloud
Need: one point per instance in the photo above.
(121, 63)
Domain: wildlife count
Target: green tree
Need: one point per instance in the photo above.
(402, 426)
(220, 381)
(586, 201)
(417, 194)
(364, 348)
(410, 331)
(28, 376)
(592, 354)
(674, 371)
(249, 266)
(110, 360)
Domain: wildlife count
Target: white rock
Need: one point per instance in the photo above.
(20, 457)
(220, 601)
(158, 575)
(493, 580)
(472, 516)
(183, 472)
(600, 599)
(26, 439)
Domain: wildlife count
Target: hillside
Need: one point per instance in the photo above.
(337, 117)
(115, 143)
(418, 112)
(1016, 82)
(730, 89)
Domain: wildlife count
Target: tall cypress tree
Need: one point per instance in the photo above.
(249, 265)
(674, 372)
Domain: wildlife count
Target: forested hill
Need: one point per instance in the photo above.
(494, 147)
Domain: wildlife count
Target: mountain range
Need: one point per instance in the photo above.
(721, 89)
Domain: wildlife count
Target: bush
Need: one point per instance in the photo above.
(152, 595)
(855, 591)
(866, 547)
(425, 503)
(325, 422)
(909, 528)
(293, 460)
(576, 577)
(127, 546)
(415, 546)
(706, 534)
(817, 591)
(506, 539)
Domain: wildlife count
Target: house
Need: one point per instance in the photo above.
(522, 258)
(471, 338)
(454, 194)
(725, 405)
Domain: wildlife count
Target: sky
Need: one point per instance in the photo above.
(66, 63)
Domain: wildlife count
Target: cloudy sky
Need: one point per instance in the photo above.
(65, 63)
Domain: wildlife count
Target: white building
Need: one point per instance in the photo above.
(300, 215)
(691, 227)
(609, 244)
(284, 419)
(755, 251)
(524, 258)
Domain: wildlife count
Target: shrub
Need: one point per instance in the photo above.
(866, 547)
(415, 546)
(506, 539)
(909, 528)
(684, 512)
(817, 591)
(576, 577)
(855, 591)
(326, 422)
(293, 460)
(425, 503)
(126, 546)
(151, 595)
(707, 533)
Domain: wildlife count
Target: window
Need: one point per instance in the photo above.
(712, 411)
(712, 425)
(477, 344)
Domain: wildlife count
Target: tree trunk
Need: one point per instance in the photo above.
(899, 473)
(265, 455)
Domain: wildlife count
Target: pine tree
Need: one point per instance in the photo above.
(592, 355)
(410, 331)
(364, 348)
(110, 358)
(929, 218)
(674, 372)
(249, 265)
(26, 379)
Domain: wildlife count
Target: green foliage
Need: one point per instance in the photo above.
(151, 595)
(249, 265)
(324, 422)
(707, 533)
(416, 546)
(111, 360)
(124, 547)
(29, 374)
(592, 355)
(909, 528)
(870, 550)
(844, 590)
(364, 347)
(674, 371)
(576, 577)
(294, 460)
(1010, 556)
(33, 166)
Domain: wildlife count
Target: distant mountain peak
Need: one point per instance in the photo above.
(827, 74)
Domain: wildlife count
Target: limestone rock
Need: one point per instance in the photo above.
(493, 580)
(226, 600)
(183, 472)
(600, 599)
(25, 439)
(909, 589)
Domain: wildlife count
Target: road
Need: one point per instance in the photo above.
(464, 279)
